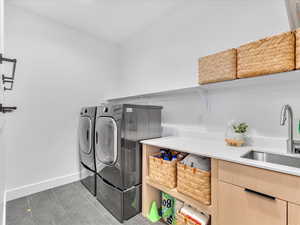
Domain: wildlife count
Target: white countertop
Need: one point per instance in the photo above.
(219, 150)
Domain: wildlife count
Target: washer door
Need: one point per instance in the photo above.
(106, 140)
(85, 135)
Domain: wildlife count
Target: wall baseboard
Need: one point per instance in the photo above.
(40, 186)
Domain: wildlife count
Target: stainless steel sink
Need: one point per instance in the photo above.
(273, 158)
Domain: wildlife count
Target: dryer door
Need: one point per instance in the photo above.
(106, 140)
(85, 135)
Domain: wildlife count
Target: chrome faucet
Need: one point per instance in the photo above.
(293, 146)
(283, 117)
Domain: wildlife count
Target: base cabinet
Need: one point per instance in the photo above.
(241, 195)
(293, 214)
(239, 206)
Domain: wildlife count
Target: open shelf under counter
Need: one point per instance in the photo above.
(174, 193)
(152, 191)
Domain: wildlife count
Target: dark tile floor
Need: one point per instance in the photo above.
(70, 204)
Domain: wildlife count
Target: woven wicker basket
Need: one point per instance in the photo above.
(297, 36)
(194, 183)
(270, 55)
(218, 67)
(162, 172)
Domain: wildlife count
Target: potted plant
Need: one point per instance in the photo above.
(237, 134)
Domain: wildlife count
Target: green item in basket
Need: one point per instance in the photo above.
(167, 208)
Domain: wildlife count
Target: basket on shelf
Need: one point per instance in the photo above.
(162, 171)
(194, 183)
(267, 56)
(297, 53)
(218, 67)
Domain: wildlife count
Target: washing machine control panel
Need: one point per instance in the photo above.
(110, 110)
(88, 111)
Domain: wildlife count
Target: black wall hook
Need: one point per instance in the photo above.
(7, 109)
(8, 79)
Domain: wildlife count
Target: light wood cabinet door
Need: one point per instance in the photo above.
(239, 206)
(293, 214)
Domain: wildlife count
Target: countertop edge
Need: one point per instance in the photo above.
(219, 154)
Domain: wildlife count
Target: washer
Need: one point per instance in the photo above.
(86, 131)
(118, 130)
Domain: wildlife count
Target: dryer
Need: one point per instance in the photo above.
(118, 153)
(86, 133)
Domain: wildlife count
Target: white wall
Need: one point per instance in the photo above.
(2, 120)
(168, 50)
(164, 56)
(59, 70)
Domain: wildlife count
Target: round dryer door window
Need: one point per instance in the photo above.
(106, 140)
(85, 135)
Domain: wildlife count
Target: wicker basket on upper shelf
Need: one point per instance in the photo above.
(269, 55)
(194, 183)
(162, 171)
(297, 53)
(218, 67)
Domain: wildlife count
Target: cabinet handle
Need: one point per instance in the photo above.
(96, 137)
(260, 194)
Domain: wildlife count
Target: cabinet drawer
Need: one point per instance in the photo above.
(279, 185)
(238, 206)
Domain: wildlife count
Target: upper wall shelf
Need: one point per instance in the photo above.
(273, 79)
(159, 93)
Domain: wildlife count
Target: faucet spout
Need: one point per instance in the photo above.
(287, 110)
(283, 115)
